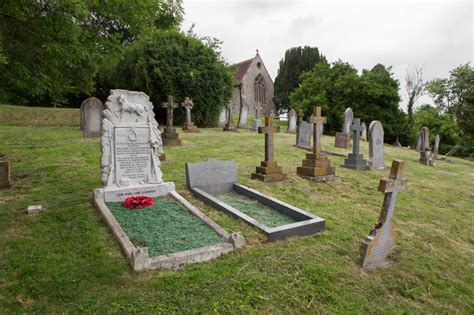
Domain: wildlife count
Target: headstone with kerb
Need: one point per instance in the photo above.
(188, 124)
(170, 136)
(269, 171)
(317, 166)
(5, 178)
(355, 160)
(257, 122)
(243, 116)
(363, 134)
(91, 117)
(380, 242)
(376, 139)
(291, 121)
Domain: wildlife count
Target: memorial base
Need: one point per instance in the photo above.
(269, 171)
(316, 167)
(190, 128)
(356, 162)
(170, 137)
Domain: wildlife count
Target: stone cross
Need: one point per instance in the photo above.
(169, 105)
(381, 240)
(356, 128)
(318, 121)
(188, 104)
(269, 130)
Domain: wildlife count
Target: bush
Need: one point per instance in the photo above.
(171, 63)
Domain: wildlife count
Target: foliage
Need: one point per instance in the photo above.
(296, 61)
(172, 63)
(373, 95)
(439, 123)
(53, 49)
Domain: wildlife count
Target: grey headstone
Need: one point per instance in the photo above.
(376, 140)
(355, 160)
(91, 117)
(223, 117)
(292, 121)
(243, 117)
(363, 135)
(436, 148)
(348, 118)
(305, 132)
(212, 176)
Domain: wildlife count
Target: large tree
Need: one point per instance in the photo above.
(414, 88)
(53, 49)
(373, 95)
(296, 61)
(172, 63)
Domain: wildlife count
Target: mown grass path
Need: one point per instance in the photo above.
(65, 259)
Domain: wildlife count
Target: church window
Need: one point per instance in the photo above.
(259, 89)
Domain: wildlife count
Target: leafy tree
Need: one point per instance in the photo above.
(373, 95)
(296, 61)
(53, 49)
(172, 63)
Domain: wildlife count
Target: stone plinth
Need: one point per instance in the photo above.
(356, 162)
(190, 127)
(316, 167)
(170, 137)
(269, 171)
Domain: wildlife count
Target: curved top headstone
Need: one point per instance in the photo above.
(93, 102)
(348, 118)
(91, 117)
(376, 134)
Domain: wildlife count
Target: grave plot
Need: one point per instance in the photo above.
(216, 183)
(169, 233)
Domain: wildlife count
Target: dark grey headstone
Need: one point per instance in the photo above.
(212, 176)
(304, 135)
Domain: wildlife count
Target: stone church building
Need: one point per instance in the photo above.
(254, 85)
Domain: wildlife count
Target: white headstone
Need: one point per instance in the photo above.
(376, 134)
(131, 142)
(91, 117)
(244, 114)
(223, 117)
(363, 134)
(348, 118)
(291, 121)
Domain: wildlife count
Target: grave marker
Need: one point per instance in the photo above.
(376, 134)
(317, 166)
(91, 117)
(257, 122)
(425, 150)
(305, 131)
(298, 124)
(243, 116)
(230, 120)
(170, 136)
(436, 149)
(188, 124)
(5, 180)
(363, 135)
(291, 121)
(269, 171)
(381, 240)
(356, 160)
(222, 117)
(342, 139)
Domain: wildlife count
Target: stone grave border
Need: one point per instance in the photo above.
(308, 223)
(174, 260)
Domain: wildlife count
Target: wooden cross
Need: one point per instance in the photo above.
(188, 104)
(169, 105)
(318, 121)
(356, 128)
(269, 130)
(391, 187)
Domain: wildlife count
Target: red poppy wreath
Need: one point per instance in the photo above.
(138, 202)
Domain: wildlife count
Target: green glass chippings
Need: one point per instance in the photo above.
(166, 227)
(256, 209)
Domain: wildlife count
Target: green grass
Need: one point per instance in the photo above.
(256, 209)
(166, 227)
(65, 260)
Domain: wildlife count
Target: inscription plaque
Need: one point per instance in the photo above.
(212, 176)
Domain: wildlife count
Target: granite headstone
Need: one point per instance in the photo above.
(305, 131)
(376, 140)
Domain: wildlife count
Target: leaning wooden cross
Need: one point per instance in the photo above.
(170, 136)
(188, 124)
(269, 171)
(381, 240)
(317, 166)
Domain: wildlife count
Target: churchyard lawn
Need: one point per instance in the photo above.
(66, 260)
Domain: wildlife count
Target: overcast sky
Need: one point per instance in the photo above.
(401, 34)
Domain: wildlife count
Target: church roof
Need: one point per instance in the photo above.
(240, 69)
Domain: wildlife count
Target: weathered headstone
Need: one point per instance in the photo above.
(380, 242)
(268, 171)
(363, 135)
(170, 136)
(376, 135)
(131, 145)
(257, 122)
(452, 151)
(343, 138)
(305, 131)
(298, 124)
(229, 126)
(317, 166)
(222, 117)
(5, 180)
(188, 124)
(91, 117)
(355, 160)
(436, 148)
(425, 150)
(292, 121)
(243, 116)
